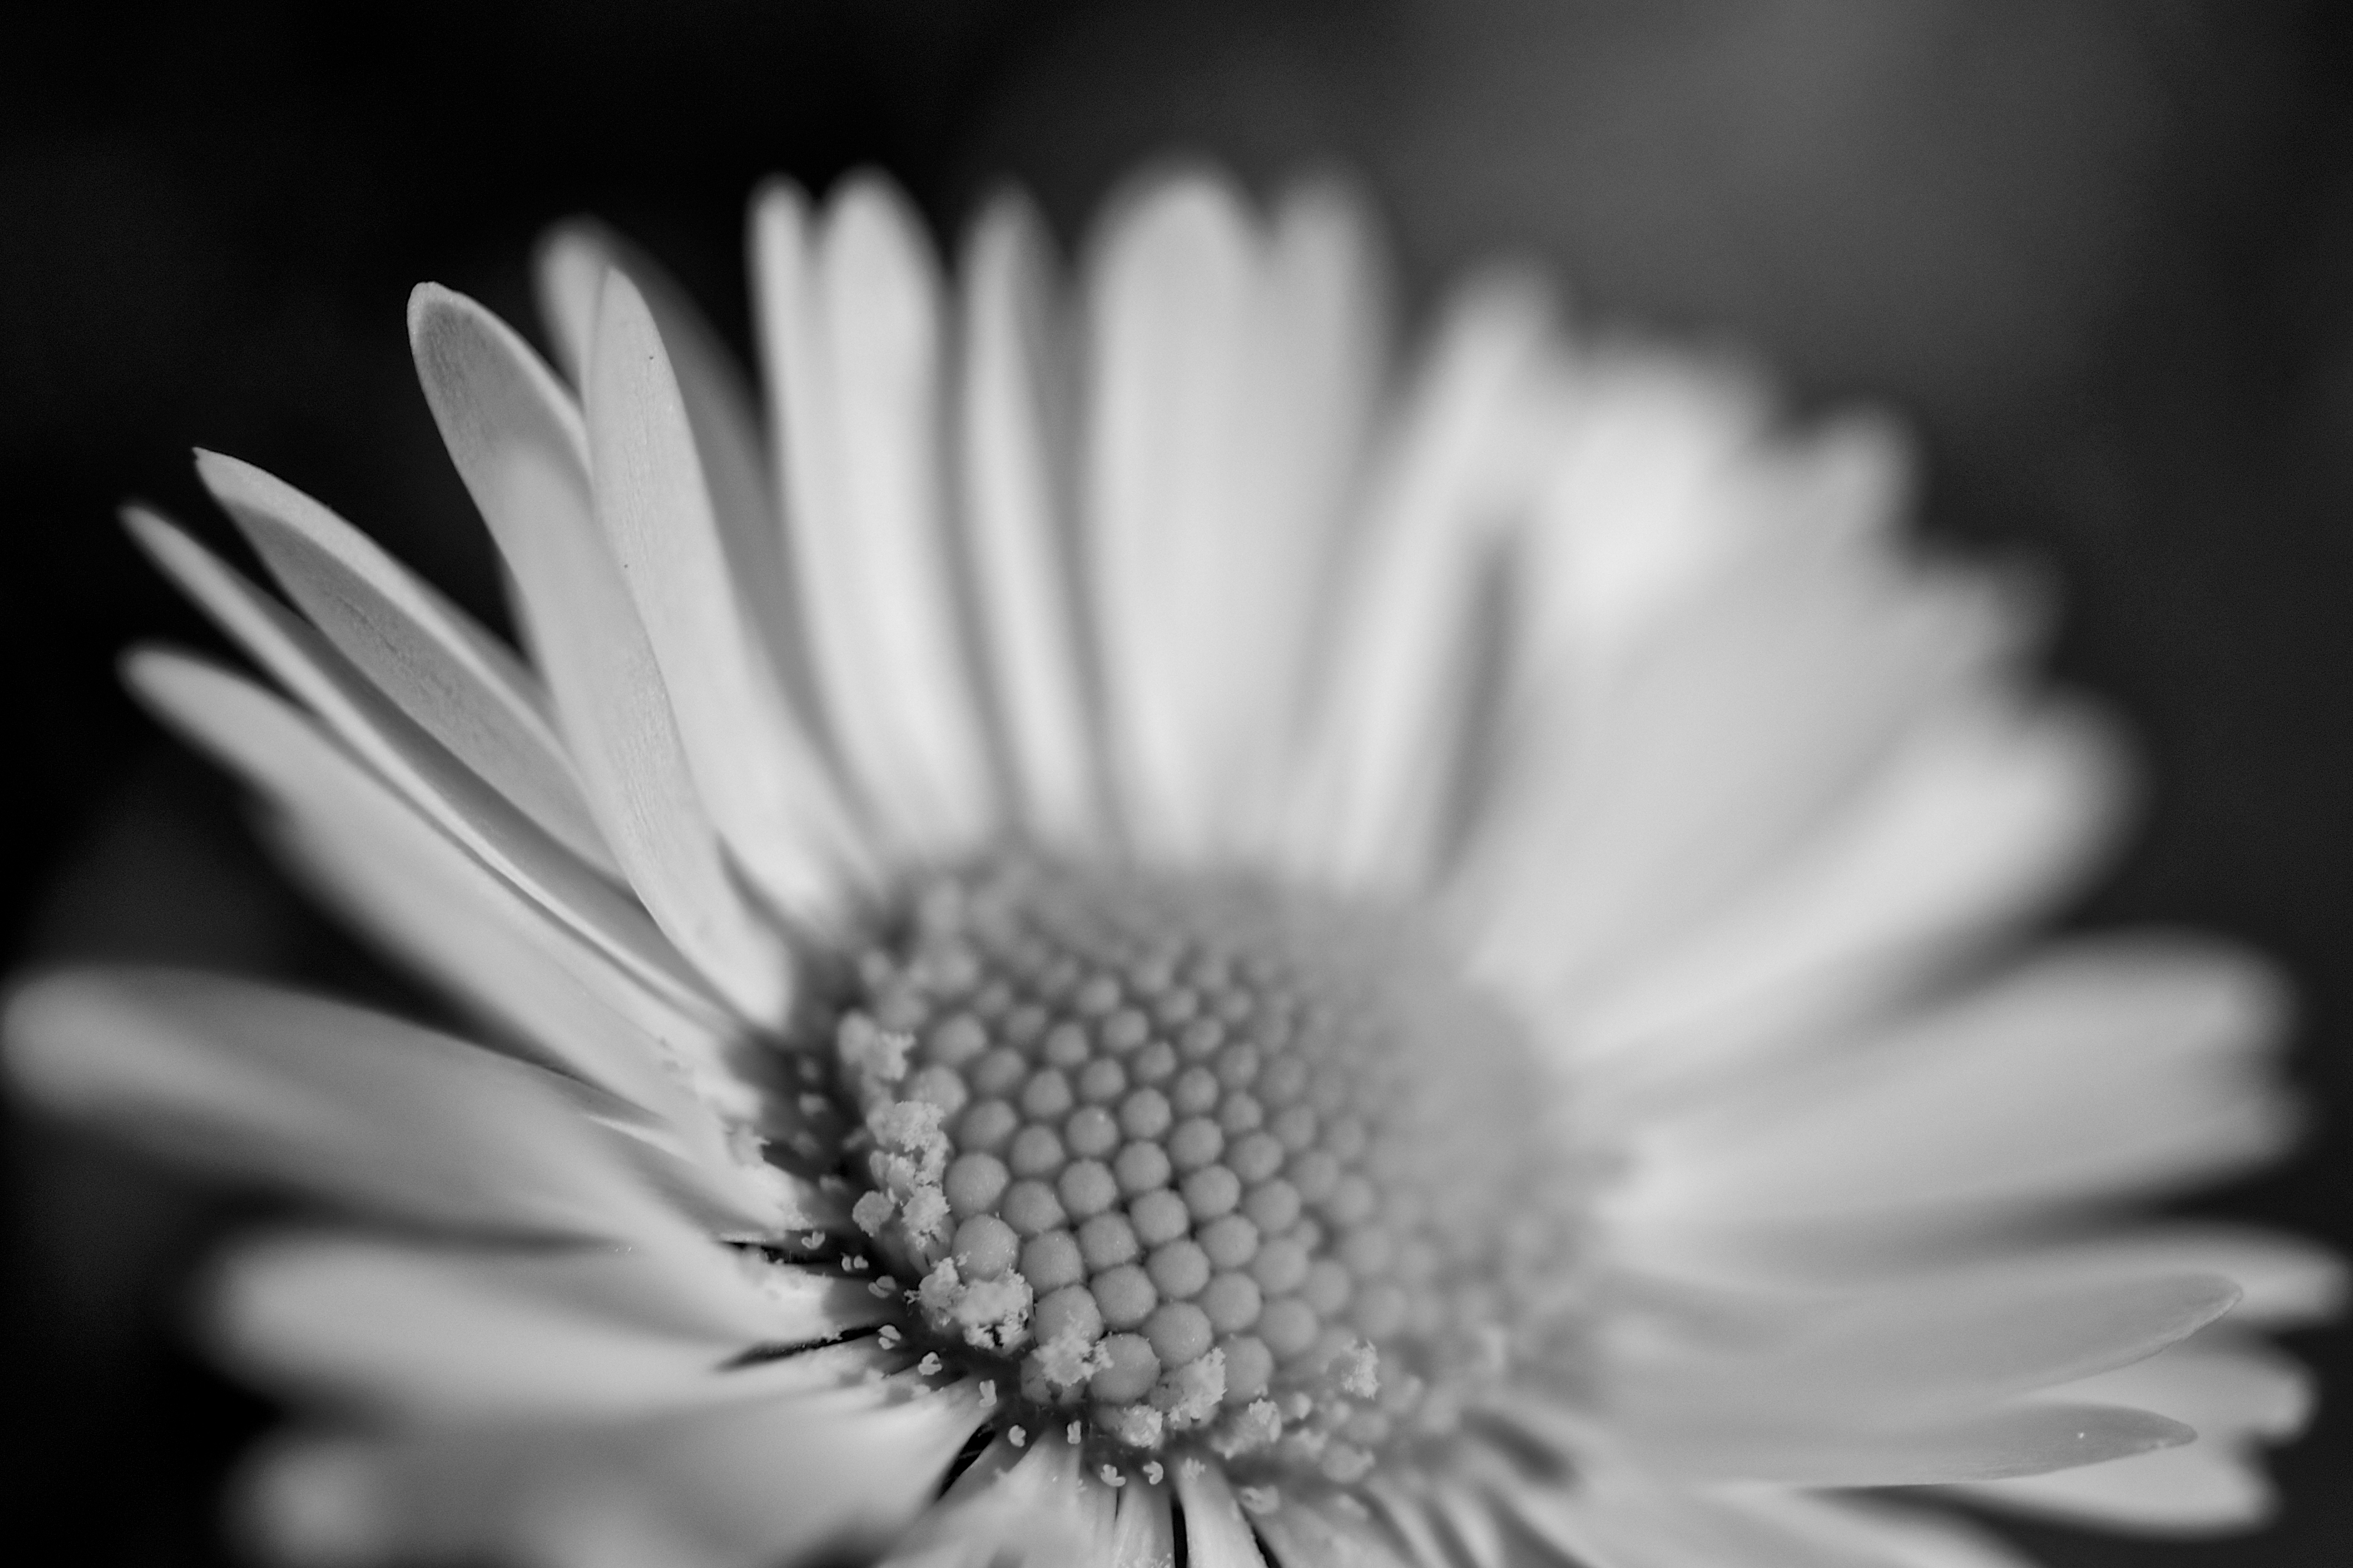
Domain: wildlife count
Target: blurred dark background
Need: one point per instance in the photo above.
(2101, 253)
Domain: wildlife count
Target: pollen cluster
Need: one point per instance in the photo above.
(1199, 1160)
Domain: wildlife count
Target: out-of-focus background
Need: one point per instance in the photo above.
(2100, 251)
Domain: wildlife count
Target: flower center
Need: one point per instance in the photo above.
(1200, 1159)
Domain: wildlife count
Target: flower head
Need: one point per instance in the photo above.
(1115, 926)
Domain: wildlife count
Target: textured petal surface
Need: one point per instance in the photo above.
(518, 443)
(286, 756)
(452, 679)
(767, 786)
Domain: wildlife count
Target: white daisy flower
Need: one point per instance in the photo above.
(1107, 931)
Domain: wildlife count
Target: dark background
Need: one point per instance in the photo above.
(2101, 253)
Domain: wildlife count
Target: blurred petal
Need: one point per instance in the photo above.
(1976, 823)
(1384, 774)
(325, 1098)
(2102, 1067)
(744, 1485)
(432, 1334)
(1014, 442)
(1633, 1527)
(849, 312)
(1899, 1353)
(1036, 1505)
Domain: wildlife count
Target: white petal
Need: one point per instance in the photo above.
(2102, 1066)
(453, 678)
(1747, 724)
(562, 1005)
(1231, 372)
(832, 1477)
(1215, 1534)
(464, 930)
(850, 333)
(2287, 1282)
(1975, 824)
(1895, 1354)
(1172, 306)
(1383, 772)
(2199, 1490)
(1143, 1535)
(1033, 1506)
(432, 1334)
(2026, 1439)
(326, 1098)
(1303, 1535)
(1016, 441)
(436, 782)
(283, 754)
(1633, 1526)
(767, 786)
(739, 1486)
(573, 264)
(518, 443)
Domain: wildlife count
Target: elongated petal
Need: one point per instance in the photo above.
(851, 332)
(452, 678)
(1143, 1535)
(741, 1486)
(1623, 1526)
(283, 754)
(833, 1476)
(1625, 813)
(1978, 823)
(1016, 441)
(1215, 1534)
(2105, 1066)
(574, 264)
(518, 445)
(2235, 1393)
(466, 932)
(1172, 307)
(661, 1076)
(1303, 1535)
(765, 786)
(1909, 1351)
(433, 781)
(2023, 1440)
(1037, 1505)
(325, 1098)
(1382, 779)
(439, 1335)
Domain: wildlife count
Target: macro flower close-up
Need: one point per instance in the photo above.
(1134, 915)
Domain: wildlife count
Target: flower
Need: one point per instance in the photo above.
(1125, 929)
